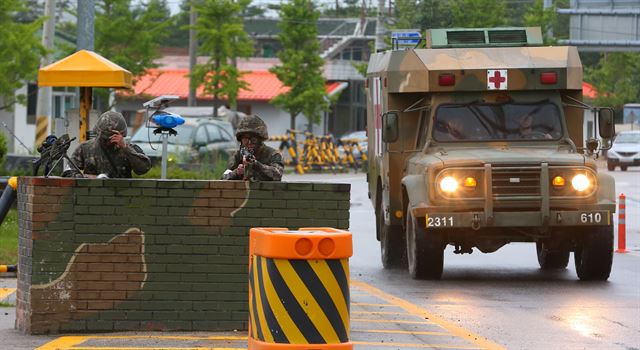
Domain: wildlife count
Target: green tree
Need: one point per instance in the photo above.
(301, 64)
(616, 78)
(20, 49)
(179, 29)
(221, 33)
(478, 13)
(131, 36)
(547, 19)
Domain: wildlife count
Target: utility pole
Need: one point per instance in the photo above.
(86, 24)
(193, 49)
(546, 4)
(380, 29)
(43, 107)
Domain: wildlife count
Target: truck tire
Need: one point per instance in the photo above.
(549, 260)
(611, 166)
(391, 244)
(624, 167)
(594, 256)
(425, 252)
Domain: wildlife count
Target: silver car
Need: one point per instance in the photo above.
(625, 151)
(197, 139)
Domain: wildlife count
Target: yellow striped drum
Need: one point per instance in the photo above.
(299, 289)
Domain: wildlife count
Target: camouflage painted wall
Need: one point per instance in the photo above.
(113, 255)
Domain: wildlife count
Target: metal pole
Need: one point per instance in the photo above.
(86, 20)
(193, 48)
(85, 107)
(548, 4)
(165, 142)
(380, 29)
(44, 92)
(86, 23)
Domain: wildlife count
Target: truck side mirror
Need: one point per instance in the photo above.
(390, 127)
(606, 125)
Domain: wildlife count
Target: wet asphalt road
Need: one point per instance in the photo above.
(503, 297)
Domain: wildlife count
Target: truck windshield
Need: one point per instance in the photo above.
(497, 122)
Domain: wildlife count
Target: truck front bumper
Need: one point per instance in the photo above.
(589, 215)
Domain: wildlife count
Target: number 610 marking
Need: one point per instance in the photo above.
(591, 218)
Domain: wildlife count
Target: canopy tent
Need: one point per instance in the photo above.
(85, 69)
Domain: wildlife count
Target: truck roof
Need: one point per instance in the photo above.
(479, 59)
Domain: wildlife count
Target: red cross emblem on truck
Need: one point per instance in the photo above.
(496, 79)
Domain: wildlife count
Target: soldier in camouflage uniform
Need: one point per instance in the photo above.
(108, 153)
(254, 160)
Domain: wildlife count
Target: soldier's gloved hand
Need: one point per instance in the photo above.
(117, 139)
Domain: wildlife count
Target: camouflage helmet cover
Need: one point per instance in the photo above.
(252, 125)
(110, 121)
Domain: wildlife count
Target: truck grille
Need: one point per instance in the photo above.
(523, 181)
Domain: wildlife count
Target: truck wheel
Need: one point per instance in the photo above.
(611, 166)
(425, 251)
(551, 260)
(391, 244)
(594, 256)
(623, 167)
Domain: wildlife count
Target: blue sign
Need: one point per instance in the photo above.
(406, 38)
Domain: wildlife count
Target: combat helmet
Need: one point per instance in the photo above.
(110, 121)
(254, 125)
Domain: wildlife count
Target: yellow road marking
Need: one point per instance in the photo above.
(152, 348)
(389, 321)
(397, 332)
(409, 345)
(370, 304)
(6, 292)
(379, 313)
(419, 311)
(70, 342)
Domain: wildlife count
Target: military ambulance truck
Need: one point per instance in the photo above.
(476, 141)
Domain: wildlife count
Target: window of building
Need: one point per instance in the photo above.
(356, 54)
(268, 51)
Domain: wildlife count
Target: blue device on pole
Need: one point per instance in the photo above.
(167, 120)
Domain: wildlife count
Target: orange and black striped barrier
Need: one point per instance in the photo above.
(622, 224)
(299, 289)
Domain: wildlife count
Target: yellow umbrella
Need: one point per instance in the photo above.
(85, 69)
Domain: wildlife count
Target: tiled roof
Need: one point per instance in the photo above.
(263, 85)
(588, 90)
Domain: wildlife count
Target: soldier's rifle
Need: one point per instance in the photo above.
(52, 151)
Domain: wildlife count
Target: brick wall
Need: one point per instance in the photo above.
(113, 255)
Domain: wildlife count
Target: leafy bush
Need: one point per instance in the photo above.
(3, 147)
(202, 171)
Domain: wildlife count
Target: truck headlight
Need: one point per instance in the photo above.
(449, 184)
(580, 182)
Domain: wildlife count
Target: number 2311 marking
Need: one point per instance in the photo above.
(440, 221)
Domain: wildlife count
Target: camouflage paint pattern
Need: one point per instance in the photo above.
(115, 255)
(403, 173)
